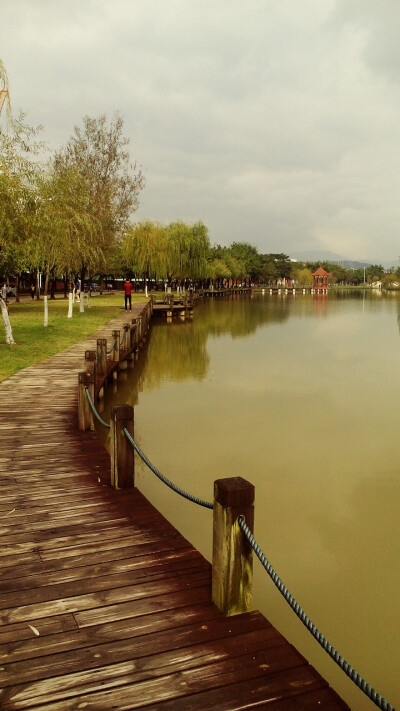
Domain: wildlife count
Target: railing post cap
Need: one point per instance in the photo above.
(116, 332)
(122, 412)
(90, 355)
(234, 491)
(102, 341)
(85, 378)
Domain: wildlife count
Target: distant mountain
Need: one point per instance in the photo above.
(317, 255)
(321, 255)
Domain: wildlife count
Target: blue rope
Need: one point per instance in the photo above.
(174, 487)
(112, 347)
(333, 653)
(96, 414)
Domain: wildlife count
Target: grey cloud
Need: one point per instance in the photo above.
(270, 121)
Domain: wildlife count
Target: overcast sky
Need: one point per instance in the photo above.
(273, 121)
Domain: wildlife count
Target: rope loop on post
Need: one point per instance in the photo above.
(112, 347)
(174, 487)
(333, 653)
(96, 414)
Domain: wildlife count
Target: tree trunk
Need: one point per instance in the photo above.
(37, 285)
(45, 303)
(17, 300)
(7, 325)
(89, 293)
(82, 295)
(53, 286)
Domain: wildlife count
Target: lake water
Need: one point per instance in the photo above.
(299, 395)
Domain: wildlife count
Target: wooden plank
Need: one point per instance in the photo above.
(118, 650)
(91, 600)
(199, 593)
(46, 626)
(175, 567)
(231, 679)
(153, 666)
(145, 565)
(69, 568)
(249, 695)
(78, 638)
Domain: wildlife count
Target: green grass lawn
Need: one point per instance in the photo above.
(34, 342)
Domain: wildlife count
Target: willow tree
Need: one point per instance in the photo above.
(188, 248)
(18, 176)
(98, 154)
(144, 250)
(217, 270)
(60, 230)
(7, 200)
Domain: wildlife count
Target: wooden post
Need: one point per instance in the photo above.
(135, 338)
(115, 353)
(134, 335)
(85, 415)
(116, 335)
(101, 356)
(122, 452)
(90, 363)
(139, 330)
(145, 324)
(232, 567)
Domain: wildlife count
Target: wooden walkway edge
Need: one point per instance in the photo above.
(103, 604)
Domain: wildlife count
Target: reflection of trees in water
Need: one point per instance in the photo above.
(398, 313)
(239, 316)
(177, 351)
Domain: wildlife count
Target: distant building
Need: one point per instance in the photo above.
(320, 280)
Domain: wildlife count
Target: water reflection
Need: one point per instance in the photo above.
(307, 409)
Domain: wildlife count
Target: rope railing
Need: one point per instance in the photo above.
(123, 338)
(112, 347)
(96, 414)
(174, 487)
(333, 653)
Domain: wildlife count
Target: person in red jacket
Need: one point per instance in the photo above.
(128, 295)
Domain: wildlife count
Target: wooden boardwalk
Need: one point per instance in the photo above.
(103, 604)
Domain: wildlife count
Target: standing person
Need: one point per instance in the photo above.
(32, 291)
(128, 295)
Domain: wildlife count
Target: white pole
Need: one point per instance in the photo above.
(46, 311)
(70, 304)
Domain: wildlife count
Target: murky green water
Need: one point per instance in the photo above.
(299, 395)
